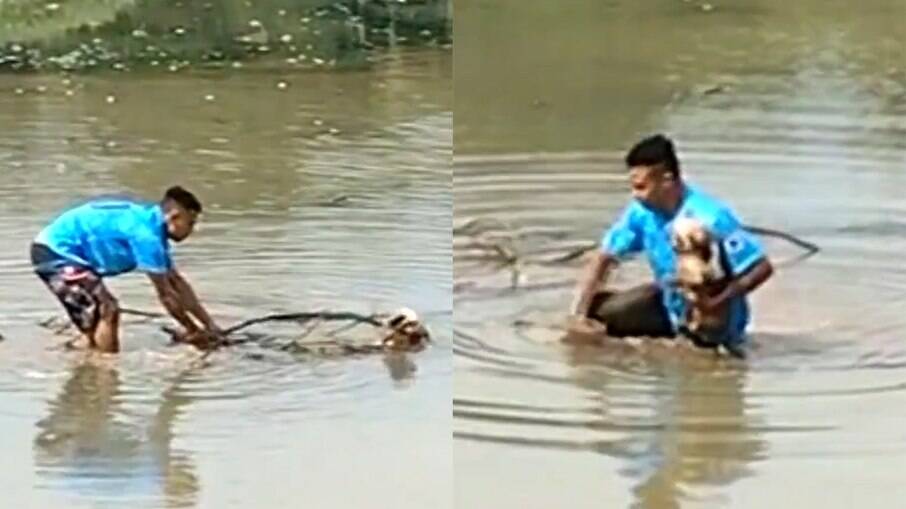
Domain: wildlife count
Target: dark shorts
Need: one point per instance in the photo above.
(636, 312)
(640, 312)
(78, 288)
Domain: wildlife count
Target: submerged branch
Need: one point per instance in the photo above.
(306, 316)
(502, 248)
(401, 331)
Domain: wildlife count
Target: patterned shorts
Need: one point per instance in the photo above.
(78, 288)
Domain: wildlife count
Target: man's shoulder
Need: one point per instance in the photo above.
(636, 213)
(118, 202)
(711, 210)
(702, 199)
(106, 204)
(117, 213)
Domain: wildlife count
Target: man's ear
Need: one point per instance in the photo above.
(669, 178)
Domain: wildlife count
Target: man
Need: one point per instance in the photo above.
(658, 309)
(110, 236)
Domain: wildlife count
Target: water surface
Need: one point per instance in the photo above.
(320, 191)
(795, 113)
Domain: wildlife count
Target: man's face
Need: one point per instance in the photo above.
(651, 185)
(180, 222)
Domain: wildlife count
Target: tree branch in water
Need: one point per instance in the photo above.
(504, 252)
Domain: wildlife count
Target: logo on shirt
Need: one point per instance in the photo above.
(735, 243)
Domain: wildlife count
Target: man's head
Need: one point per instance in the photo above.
(181, 210)
(654, 173)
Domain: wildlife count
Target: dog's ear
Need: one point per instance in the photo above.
(706, 251)
(683, 234)
(400, 317)
(679, 241)
(701, 237)
(396, 320)
(686, 244)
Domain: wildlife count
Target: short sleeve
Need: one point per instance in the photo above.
(624, 237)
(151, 254)
(741, 249)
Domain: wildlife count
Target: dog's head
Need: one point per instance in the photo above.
(694, 247)
(690, 236)
(406, 332)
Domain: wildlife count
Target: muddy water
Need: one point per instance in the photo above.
(321, 191)
(795, 113)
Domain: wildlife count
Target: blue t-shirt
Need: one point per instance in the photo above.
(642, 228)
(111, 236)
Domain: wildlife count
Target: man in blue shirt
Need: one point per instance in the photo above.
(659, 309)
(110, 236)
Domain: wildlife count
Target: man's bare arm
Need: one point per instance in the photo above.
(596, 271)
(190, 301)
(172, 301)
(748, 281)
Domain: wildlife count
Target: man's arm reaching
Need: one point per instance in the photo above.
(596, 271)
(191, 303)
(180, 301)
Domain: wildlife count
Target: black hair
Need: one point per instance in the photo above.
(654, 150)
(184, 198)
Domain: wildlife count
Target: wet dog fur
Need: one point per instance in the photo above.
(699, 275)
(405, 331)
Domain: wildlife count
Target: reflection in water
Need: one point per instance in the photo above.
(688, 431)
(400, 366)
(264, 159)
(792, 111)
(91, 446)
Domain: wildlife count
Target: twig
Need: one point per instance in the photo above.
(480, 225)
(138, 312)
(510, 256)
(304, 317)
(810, 248)
(311, 326)
(570, 255)
(343, 328)
(505, 254)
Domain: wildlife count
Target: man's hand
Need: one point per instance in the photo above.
(584, 325)
(709, 304)
(172, 301)
(749, 281)
(203, 339)
(593, 275)
(739, 286)
(581, 330)
(179, 299)
(183, 335)
(215, 332)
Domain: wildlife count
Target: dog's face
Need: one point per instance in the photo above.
(406, 332)
(694, 253)
(690, 235)
(697, 274)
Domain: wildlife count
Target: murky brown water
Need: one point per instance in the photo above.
(256, 428)
(794, 112)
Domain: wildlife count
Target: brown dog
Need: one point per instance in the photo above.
(406, 332)
(698, 275)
